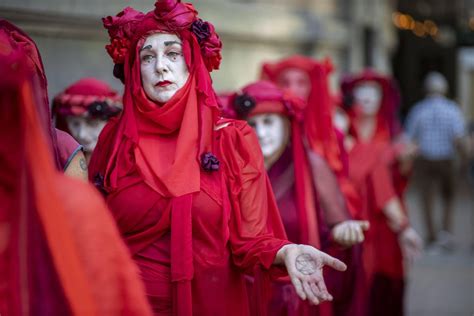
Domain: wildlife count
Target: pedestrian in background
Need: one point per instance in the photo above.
(436, 126)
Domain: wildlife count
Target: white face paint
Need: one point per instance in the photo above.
(85, 130)
(296, 81)
(162, 65)
(271, 131)
(341, 120)
(368, 96)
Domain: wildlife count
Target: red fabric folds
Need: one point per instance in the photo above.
(62, 146)
(63, 254)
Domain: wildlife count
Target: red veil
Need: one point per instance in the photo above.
(60, 252)
(62, 144)
(318, 126)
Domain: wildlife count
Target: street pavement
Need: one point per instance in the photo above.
(442, 284)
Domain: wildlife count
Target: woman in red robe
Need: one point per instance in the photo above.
(187, 189)
(276, 117)
(60, 252)
(374, 170)
(307, 78)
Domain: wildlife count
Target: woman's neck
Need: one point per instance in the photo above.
(366, 126)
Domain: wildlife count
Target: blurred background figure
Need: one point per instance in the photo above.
(68, 154)
(60, 252)
(84, 108)
(374, 169)
(436, 126)
(310, 215)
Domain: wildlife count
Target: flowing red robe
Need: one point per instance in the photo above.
(232, 232)
(371, 171)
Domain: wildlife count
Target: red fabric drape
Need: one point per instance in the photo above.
(82, 266)
(62, 146)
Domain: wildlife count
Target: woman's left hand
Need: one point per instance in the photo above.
(305, 269)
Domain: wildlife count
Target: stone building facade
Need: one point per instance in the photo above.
(354, 33)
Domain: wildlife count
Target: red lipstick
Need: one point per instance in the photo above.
(163, 83)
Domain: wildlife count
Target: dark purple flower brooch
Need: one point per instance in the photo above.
(243, 104)
(209, 162)
(102, 110)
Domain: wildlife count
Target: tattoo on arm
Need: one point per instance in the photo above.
(305, 264)
(83, 164)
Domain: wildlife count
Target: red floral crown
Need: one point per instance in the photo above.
(174, 16)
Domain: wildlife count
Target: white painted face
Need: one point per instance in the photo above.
(341, 120)
(271, 131)
(85, 130)
(162, 65)
(296, 81)
(368, 97)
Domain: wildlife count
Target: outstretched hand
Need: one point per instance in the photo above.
(350, 232)
(411, 245)
(305, 269)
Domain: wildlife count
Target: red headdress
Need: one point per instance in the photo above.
(318, 125)
(88, 95)
(164, 144)
(265, 97)
(388, 125)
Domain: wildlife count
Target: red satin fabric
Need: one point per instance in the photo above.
(59, 248)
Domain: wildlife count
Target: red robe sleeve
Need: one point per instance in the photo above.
(329, 193)
(255, 227)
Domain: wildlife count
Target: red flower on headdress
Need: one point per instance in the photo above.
(174, 14)
(177, 15)
(121, 28)
(211, 48)
(118, 49)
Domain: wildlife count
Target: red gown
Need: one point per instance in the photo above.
(371, 172)
(233, 231)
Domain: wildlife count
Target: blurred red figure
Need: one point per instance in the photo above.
(68, 154)
(84, 108)
(375, 171)
(276, 117)
(60, 252)
(308, 79)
